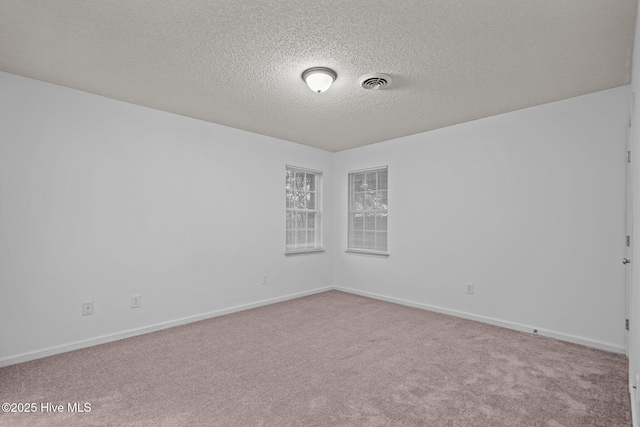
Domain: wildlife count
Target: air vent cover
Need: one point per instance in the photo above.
(375, 81)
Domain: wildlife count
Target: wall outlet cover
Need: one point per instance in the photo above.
(136, 301)
(87, 308)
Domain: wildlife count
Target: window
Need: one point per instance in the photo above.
(368, 211)
(303, 210)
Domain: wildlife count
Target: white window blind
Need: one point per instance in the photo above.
(303, 226)
(368, 195)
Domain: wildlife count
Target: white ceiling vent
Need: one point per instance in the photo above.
(375, 81)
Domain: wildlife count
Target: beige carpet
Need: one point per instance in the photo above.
(331, 359)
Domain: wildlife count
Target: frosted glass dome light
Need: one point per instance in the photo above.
(319, 79)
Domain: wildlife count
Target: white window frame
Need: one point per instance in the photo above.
(378, 232)
(292, 226)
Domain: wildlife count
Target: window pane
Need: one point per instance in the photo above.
(381, 221)
(290, 180)
(311, 182)
(300, 180)
(369, 239)
(382, 198)
(382, 179)
(290, 222)
(357, 240)
(358, 221)
(371, 180)
(374, 200)
(301, 239)
(370, 221)
(290, 238)
(310, 239)
(311, 200)
(301, 220)
(294, 199)
(306, 197)
(368, 203)
(304, 200)
(381, 241)
(358, 182)
(358, 202)
(311, 220)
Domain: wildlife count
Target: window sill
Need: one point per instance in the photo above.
(304, 251)
(370, 253)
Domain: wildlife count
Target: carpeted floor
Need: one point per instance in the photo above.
(331, 359)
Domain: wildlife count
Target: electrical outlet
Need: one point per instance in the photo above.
(264, 279)
(136, 301)
(470, 288)
(87, 308)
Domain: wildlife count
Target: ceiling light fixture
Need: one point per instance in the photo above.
(319, 79)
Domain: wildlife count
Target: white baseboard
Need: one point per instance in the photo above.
(50, 351)
(613, 348)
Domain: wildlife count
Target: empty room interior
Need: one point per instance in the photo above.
(319, 213)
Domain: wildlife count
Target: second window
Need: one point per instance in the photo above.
(368, 195)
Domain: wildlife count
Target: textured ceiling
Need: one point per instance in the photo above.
(238, 63)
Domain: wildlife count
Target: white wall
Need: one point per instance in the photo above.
(529, 206)
(101, 200)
